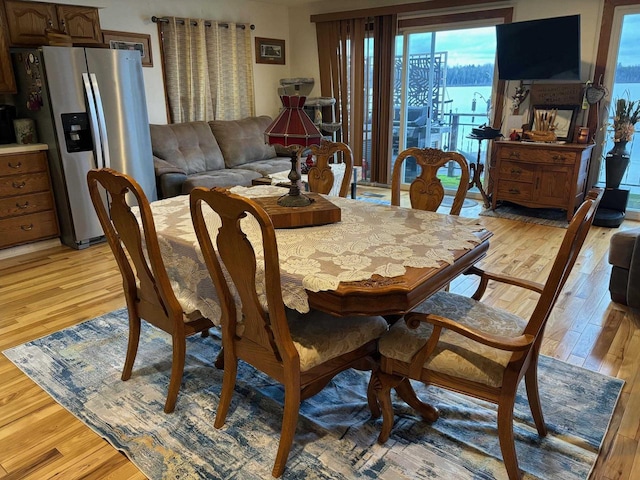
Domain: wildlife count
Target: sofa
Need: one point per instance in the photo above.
(624, 256)
(221, 153)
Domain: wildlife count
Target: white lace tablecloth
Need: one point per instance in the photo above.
(370, 239)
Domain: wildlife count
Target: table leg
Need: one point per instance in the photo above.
(406, 392)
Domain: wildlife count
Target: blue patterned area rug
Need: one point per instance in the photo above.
(335, 438)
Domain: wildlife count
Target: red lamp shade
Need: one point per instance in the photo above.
(292, 126)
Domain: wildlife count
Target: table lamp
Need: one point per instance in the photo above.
(293, 129)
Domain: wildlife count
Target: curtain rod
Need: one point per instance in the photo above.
(155, 19)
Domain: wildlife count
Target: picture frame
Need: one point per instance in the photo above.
(130, 41)
(565, 119)
(270, 50)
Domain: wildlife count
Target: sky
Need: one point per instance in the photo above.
(477, 46)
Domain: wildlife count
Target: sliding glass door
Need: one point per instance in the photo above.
(443, 84)
(624, 59)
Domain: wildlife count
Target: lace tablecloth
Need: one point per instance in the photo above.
(370, 239)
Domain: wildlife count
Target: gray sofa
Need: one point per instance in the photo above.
(221, 153)
(624, 255)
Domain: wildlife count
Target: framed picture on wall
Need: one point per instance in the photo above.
(130, 41)
(270, 50)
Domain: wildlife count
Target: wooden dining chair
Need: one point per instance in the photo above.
(426, 191)
(459, 343)
(146, 285)
(302, 351)
(321, 176)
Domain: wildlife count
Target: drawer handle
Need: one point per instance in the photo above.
(514, 154)
(23, 206)
(26, 228)
(514, 191)
(516, 171)
(19, 165)
(560, 158)
(19, 185)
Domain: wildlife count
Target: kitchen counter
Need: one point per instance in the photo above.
(19, 148)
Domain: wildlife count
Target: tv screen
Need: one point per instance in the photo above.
(539, 49)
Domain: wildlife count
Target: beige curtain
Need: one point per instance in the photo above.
(208, 70)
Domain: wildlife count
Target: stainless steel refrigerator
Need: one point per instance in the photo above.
(89, 107)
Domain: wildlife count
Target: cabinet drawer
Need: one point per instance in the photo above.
(557, 157)
(515, 190)
(24, 184)
(521, 172)
(23, 163)
(25, 204)
(27, 228)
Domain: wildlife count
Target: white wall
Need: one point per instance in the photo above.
(271, 21)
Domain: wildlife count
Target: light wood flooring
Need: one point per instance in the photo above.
(45, 291)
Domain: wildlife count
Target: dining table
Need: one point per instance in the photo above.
(377, 260)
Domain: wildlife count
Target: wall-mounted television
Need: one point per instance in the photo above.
(543, 49)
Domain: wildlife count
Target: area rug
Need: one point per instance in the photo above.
(336, 436)
(543, 216)
(447, 201)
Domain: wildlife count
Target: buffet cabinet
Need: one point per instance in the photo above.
(27, 211)
(540, 175)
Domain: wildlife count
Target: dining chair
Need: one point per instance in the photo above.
(146, 285)
(301, 351)
(426, 191)
(320, 176)
(461, 344)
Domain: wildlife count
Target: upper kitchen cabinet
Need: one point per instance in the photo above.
(28, 22)
(7, 80)
(82, 23)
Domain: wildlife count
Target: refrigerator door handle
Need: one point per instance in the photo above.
(94, 121)
(101, 120)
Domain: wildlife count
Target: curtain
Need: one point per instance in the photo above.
(341, 54)
(208, 70)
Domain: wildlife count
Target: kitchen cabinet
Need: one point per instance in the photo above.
(540, 175)
(27, 211)
(28, 22)
(7, 79)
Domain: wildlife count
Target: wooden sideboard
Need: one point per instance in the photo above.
(27, 211)
(540, 175)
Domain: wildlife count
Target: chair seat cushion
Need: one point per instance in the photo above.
(319, 337)
(456, 355)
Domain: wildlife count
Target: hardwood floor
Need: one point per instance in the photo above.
(42, 292)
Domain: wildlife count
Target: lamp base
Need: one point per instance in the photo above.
(294, 198)
(299, 200)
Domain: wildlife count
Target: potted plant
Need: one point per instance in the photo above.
(626, 115)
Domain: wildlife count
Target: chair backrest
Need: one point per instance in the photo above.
(267, 329)
(426, 191)
(565, 259)
(146, 283)
(320, 176)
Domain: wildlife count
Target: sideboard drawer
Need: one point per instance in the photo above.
(24, 184)
(515, 190)
(518, 171)
(23, 163)
(26, 228)
(25, 204)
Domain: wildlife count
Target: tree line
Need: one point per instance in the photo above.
(479, 75)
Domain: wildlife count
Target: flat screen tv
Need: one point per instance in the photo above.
(542, 49)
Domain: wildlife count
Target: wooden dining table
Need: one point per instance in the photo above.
(377, 260)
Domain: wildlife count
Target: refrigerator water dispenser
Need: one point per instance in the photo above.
(77, 134)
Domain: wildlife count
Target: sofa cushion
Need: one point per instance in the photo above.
(242, 141)
(267, 167)
(189, 146)
(227, 177)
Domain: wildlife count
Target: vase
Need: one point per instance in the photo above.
(616, 163)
